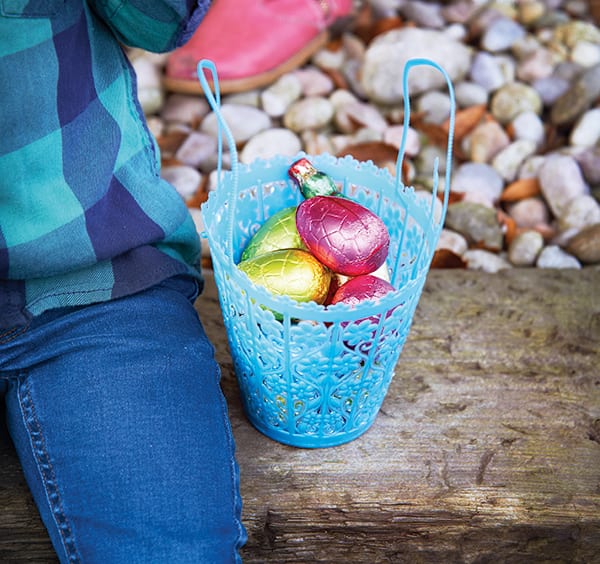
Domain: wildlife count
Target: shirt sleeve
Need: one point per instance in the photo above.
(153, 25)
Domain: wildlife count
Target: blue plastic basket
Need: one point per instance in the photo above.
(317, 376)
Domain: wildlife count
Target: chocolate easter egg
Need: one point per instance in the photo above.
(278, 232)
(361, 288)
(339, 279)
(344, 235)
(289, 272)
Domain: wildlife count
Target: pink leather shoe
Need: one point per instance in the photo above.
(253, 42)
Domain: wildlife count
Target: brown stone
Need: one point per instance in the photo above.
(586, 244)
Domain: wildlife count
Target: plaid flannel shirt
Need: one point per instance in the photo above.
(84, 214)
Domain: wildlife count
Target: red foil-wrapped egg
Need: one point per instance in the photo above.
(338, 279)
(361, 288)
(344, 235)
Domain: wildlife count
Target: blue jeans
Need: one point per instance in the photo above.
(118, 419)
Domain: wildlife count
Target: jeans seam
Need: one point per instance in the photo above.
(46, 471)
(12, 334)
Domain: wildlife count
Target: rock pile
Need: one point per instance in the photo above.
(525, 184)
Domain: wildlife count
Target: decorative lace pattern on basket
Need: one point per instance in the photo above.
(313, 376)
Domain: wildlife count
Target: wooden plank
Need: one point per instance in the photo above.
(487, 447)
(23, 537)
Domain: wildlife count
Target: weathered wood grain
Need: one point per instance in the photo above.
(487, 447)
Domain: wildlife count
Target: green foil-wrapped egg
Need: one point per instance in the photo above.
(289, 272)
(277, 232)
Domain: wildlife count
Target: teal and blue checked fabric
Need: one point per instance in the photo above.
(84, 214)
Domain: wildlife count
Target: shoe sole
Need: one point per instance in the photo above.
(182, 86)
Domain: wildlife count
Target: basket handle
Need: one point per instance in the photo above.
(214, 101)
(409, 65)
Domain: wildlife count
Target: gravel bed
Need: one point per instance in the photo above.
(525, 184)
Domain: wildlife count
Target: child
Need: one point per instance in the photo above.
(112, 390)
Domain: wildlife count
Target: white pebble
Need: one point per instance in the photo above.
(487, 72)
(531, 166)
(196, 149)
(470, 94)
(501, 34)
(480, 179)
(278, 97)
(452, 241)
(509, 159)
(184, 109)
(393, 136)
(537, 65)
(329, 59)
(528, 125)
(243, 121)
(529, 212)
(350, 117)
(580, 212)
(478, 259)
(525, 248)
(560, 181)
(551, 89)
(185, 179)
(586, 132)
(434, 106)
(315, 142)
(314, 82)
(586, 53)
(313, 112)
(266, 144)
(553, 256)
(487, 140)
(339, 98)
(456, 31)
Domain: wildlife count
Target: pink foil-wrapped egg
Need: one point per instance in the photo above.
(344, 235)
(338, 279)
(361, 288)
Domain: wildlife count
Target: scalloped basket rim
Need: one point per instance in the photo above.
(284, 304)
